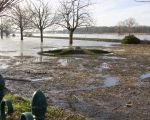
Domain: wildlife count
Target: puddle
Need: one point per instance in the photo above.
(63, 62)
(28, 79)
(134, 64)
(114, 58)
(102, 67)
(42, 79)
(81, 67)
(145, 76)
(121, 50)
(17, 63)
(109, 81)
(4, 66)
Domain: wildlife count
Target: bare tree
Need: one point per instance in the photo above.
(126, 26)
(73, 14)
(6, 4)
(5, 26)
(121, 27)
(130, 23)
(21, 18)
(42, 17)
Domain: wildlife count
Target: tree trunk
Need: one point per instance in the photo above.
(21, 33)
(71, 38)
(130, 31)
(41, 31)
(1, 33)
(41, 57)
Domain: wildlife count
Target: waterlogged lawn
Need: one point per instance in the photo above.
(106, 86)
(22, 105)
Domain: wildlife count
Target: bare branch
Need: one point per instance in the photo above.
(7, 4)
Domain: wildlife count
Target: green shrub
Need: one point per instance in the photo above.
(131, 39)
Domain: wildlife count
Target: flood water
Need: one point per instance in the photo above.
(13, 46)
(60, 78)
(145, 76)
(101, 36)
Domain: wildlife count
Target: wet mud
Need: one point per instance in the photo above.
(105, 87)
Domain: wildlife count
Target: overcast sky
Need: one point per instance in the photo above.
(110, 12)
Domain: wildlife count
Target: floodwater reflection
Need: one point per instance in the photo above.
(30, 46)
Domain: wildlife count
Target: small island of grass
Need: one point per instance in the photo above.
(73, 51)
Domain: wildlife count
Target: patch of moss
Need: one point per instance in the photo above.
(22, 105)
(72, 51)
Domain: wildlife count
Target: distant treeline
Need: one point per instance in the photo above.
(114, 29)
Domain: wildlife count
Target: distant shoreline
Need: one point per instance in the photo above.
(95, 33)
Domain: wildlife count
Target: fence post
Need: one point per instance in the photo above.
(38, 107)
(2, 86)
(4, 103)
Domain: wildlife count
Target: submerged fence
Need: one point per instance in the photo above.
(38, 105)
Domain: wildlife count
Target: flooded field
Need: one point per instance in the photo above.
(30, 46)
(112, 86)
(100, 36)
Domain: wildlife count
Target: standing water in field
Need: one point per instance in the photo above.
(145, 76)
(30, 46)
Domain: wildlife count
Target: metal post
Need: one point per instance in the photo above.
(2, 86)
(4, 103)
(38, 107)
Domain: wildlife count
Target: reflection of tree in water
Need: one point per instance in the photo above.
(21, 49)
(41, 58)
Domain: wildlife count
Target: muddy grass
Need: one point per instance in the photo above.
(111, 86)
(73, 51)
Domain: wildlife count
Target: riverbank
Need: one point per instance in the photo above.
(109, 87)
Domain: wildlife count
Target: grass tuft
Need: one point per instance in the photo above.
(73, 51)
(22, 105)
